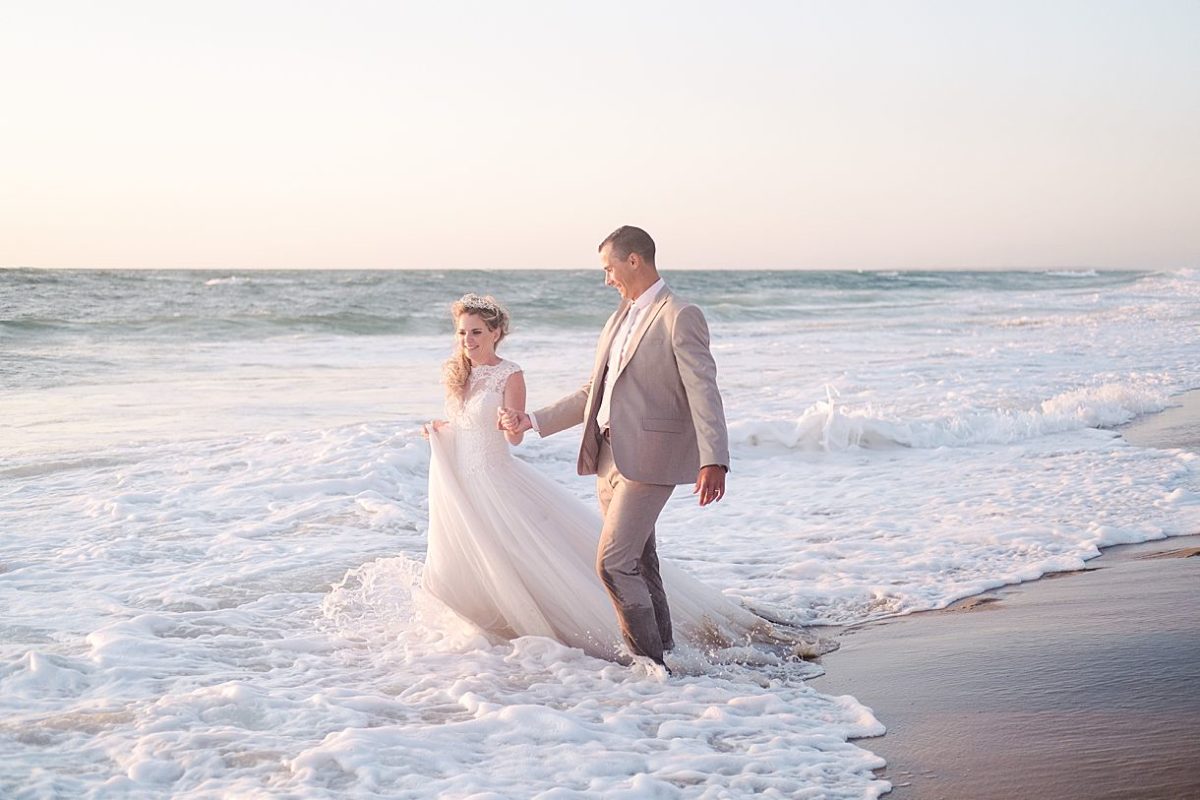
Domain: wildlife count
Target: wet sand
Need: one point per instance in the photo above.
(1080, 685)
(1178, 426)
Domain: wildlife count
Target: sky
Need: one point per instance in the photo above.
(772, 135)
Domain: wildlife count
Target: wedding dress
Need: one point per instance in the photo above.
(514, 552)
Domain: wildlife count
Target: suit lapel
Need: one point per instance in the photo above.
(606, 336)
(606, 339)
(602, 349)
(643, 324)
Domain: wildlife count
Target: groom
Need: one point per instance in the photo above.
(653, 419)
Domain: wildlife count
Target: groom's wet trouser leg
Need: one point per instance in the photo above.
(627, 559)
(658, 595)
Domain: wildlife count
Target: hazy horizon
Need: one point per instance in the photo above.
(780, 135)
(665, 271)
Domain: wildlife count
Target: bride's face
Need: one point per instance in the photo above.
(478, 343)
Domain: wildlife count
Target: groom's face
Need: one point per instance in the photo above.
(618, 272)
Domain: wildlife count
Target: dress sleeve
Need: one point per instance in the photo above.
(502, 375)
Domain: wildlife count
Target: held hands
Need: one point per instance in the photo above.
(710, 484)
(513, 421)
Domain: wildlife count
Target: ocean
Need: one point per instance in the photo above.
(212, 506)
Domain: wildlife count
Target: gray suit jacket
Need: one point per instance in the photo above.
(667, 419)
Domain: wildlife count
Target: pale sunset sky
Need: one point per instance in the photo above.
(873, 135)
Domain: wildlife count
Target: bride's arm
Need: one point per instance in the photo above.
(514, 399)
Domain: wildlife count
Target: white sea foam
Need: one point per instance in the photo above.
(1072, 273)
(210, 572)
(829, 426)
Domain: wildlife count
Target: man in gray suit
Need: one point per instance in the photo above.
(653, 419)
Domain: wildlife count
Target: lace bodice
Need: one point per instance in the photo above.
(477, 439)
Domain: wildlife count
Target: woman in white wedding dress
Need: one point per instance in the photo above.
(514, 552)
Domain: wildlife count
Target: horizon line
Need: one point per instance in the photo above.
(1065, 268)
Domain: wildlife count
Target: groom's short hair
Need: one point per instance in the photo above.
(628, 239)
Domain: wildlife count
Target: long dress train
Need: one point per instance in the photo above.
(514, 552)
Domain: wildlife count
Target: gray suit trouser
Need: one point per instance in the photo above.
(627, 559)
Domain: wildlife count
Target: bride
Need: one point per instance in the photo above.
(514, 552)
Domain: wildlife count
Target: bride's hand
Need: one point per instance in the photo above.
(432, 427)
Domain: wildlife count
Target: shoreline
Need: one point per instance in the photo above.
(1175, 427)
(1080, 684)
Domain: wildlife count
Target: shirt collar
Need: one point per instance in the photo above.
(647, 297)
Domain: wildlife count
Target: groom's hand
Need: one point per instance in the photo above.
(710, 484)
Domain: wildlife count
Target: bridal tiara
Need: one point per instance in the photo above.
(479, 303)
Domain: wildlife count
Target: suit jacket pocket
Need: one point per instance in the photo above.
(662, 424)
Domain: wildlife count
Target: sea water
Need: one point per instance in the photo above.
(212, 518)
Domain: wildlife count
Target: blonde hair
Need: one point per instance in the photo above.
(457, 369)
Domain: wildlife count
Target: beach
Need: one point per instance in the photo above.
(213, 490)
(1083, 684)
